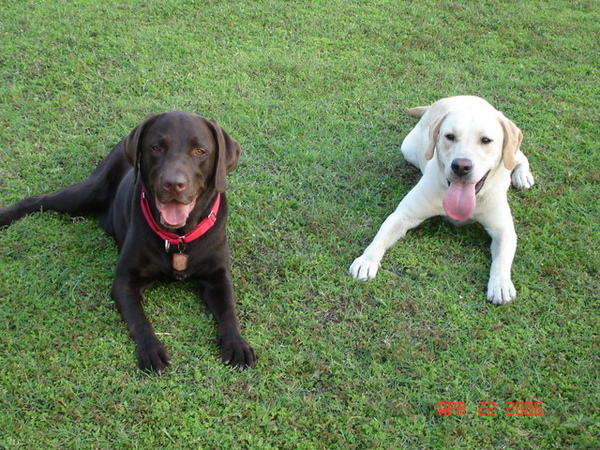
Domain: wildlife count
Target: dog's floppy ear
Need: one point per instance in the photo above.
(512, 141)
(434, 131)
(131, 145)
(228, 155)
(418, 111)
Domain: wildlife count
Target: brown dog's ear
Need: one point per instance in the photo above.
(434, 131)
(131, 145)
(512, 142)
(228, 155)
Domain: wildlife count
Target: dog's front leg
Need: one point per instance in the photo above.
(127, 294)
(394, 228)
(218, 296)
(504, 245)
(418, 205)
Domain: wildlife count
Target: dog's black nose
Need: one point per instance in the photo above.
(175, 183)
(461, 166)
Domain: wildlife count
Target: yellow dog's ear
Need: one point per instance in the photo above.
(131, 145)
(228, 154)
(418, 111)
(434, 131)
(512, 141)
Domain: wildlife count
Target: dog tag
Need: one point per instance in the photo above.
(180, 261)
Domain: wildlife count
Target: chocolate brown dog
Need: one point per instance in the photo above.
(160, 194)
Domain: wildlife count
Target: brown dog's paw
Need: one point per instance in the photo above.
(238, 353)
(153, 357)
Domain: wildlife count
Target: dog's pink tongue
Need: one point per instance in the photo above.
(175, 214)
(459, 201)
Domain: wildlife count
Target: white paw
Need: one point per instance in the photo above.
(522, 178)
(501, 292)
(364, 268)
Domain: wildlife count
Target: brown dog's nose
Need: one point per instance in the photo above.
(461, 166)
(175, 183)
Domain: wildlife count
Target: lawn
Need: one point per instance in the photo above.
(316, 94)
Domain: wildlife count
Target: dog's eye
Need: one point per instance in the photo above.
(485, 140)
(156, 148)
(450, 137)
(199, 151)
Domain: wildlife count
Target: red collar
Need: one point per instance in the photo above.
(175, 239)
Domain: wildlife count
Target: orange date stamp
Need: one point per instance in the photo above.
(490, 409)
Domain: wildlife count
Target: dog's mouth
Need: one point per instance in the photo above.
(481, 182)
(459, 201)
(174, 214)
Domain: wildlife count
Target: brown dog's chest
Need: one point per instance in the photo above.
(196, 260)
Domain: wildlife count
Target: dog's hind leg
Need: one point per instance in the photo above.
(91, 195)
(521, 176)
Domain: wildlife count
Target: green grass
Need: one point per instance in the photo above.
(315, 92)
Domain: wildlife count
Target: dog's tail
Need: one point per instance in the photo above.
(418, 111)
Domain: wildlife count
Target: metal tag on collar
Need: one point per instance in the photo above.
(167, 245)
(180, 260)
